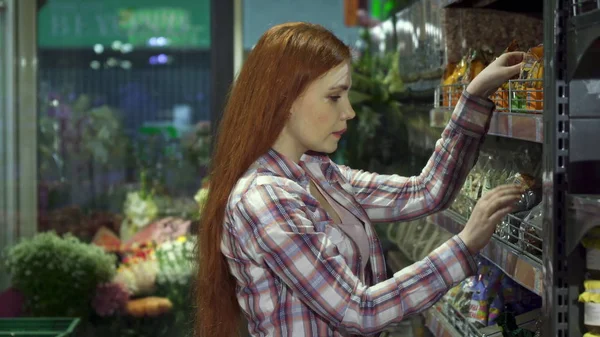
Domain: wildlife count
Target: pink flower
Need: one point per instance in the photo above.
(110, 299)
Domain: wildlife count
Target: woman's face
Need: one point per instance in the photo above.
(318, 117)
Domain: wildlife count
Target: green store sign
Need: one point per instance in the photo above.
(76, 23)
(383, 9)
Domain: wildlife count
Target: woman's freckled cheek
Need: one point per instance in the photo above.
(322, 119)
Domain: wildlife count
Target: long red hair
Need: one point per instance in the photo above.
(285, 60)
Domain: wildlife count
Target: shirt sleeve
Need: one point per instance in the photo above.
(297, 251)
(388, 198)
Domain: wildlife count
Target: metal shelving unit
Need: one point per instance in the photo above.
(454, 324)
(573, 31)
(568, 124)
(562, 114)
(513, 258)
(518, 113)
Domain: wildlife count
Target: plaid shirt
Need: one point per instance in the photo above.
(298, 275)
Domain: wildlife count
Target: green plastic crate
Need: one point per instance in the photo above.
(37, 327)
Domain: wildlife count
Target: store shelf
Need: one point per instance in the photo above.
(584, 214)
(455, 325)
(439, 326)
(503, 124)
(516, 263)
(584, 42)
(517, 126)
(518, 113)
(585, 12)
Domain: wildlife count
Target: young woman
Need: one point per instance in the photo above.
(287, 236)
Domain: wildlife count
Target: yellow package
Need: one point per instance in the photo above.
(448, 74)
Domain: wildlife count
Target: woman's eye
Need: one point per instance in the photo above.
(334, 98)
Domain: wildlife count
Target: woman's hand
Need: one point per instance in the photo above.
(488, 212)
(505, 67)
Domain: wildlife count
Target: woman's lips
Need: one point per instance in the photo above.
(339, 133)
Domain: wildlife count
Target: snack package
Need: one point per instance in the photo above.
(448, 78)
(591, 311)
(537, 51)
(495, 309)
(479, 175)
(531, 71)
(476, 62)
(512, 46)
(531, 231)
(462, 301)
(518, 98)
(478, 310)
(533, 67)
(461, 70)
(529, 60)
(533, 192)
(501, 96)
(485, 292)
(591, 242)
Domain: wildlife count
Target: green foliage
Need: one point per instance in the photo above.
(58, 275)
(378, 133)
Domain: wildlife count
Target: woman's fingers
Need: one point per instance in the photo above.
(502, 190)
(502, 202)
(500, 214)
(512, 58)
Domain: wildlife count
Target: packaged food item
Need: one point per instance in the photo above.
(461, 70)
(592, 286)
(536, 73)
(531, 231)
(529, 60)
(532, 72)
(495, 309)
(592, 245)
(478, 310)
(484, 293)
(447, 78)
(501, 97)
(591, 308)
(480, 175)
(532, 194)
(462, 301)
(512, 46)
(477, 60)
(518, 97)
(537, 51)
